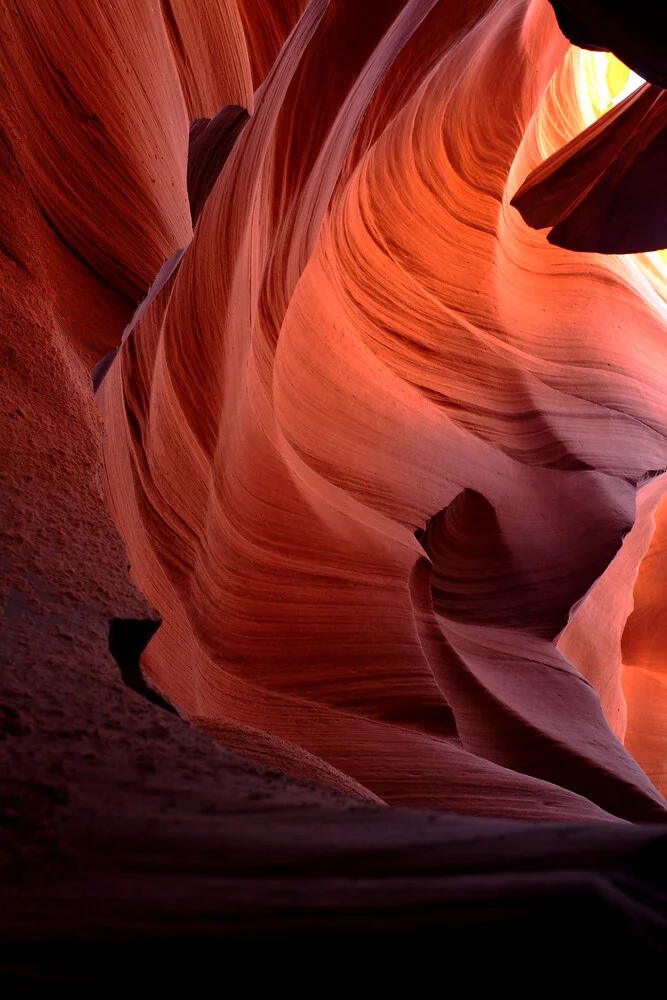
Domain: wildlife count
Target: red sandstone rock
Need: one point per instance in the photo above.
(634, 31)
(374, 447)
(97, 116)
(356, 379)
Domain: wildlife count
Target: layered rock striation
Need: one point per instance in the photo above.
(378, 465)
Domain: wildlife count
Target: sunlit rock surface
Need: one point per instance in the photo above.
(369, 355)
(385, 461)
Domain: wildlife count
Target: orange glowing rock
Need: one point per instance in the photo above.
(363, 342)
(387, 464)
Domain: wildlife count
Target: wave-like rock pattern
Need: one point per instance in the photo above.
(368, 458)
(643, 655)
(374, 438)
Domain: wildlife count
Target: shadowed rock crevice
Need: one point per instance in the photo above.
(211, 142)
(128, 637)
(635, 32)
(363, 333)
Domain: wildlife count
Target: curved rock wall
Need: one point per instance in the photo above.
(375, 438)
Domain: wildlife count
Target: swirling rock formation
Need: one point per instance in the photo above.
(387, 464)
(382, 340)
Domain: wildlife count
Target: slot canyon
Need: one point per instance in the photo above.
(333, 491)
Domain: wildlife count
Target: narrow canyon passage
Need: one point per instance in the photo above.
(334, 479)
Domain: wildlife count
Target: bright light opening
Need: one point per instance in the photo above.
(609, 81)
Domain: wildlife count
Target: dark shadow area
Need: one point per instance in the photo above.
(128, 637)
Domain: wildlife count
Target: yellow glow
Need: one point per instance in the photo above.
(608, 80)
